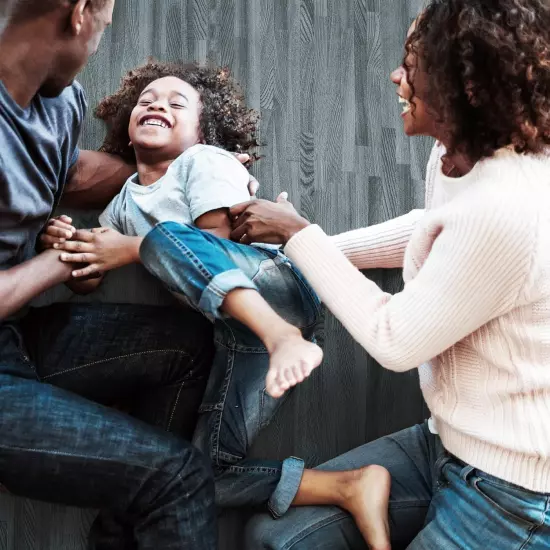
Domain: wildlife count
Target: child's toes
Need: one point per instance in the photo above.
(299, 373)
(289, 377)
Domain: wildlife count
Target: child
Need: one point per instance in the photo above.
(172, 216)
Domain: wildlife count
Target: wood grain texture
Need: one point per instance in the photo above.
(319, 72)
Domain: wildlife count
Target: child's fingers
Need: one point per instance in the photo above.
(75, 246)
(81, 258)
(91, 269)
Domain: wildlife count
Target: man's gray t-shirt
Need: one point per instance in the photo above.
(202, 179)
(38, 146)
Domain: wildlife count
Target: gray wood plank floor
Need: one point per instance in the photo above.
(319, 72)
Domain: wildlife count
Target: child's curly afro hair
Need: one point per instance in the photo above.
(225, 120)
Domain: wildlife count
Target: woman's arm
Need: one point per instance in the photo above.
(475, 271)
(380, 246)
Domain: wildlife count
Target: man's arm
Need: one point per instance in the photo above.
(95, 179)
(22, 283)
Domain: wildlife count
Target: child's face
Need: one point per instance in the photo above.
(166, 118)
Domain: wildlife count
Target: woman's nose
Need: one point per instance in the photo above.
(398, 75)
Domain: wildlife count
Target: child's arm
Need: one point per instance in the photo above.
(103, 249)
(214, 181)
(216, 222)
(59, 230)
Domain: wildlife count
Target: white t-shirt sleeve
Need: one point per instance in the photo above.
(110, 217)
(215, 179)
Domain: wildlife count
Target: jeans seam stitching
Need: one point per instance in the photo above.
(126, 356)
(73, 455)
(186, 250)
(175, 406)
(225, 389)
(532, 531)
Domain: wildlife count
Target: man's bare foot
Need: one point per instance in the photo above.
(366, 497)
(292, 359)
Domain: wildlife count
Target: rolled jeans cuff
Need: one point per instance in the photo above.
(287, 488)
(220, 286)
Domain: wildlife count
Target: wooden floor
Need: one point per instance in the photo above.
(318, 71)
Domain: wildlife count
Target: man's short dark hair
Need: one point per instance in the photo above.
(24, 10)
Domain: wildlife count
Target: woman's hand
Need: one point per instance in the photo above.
(263, 221)
(103, 249)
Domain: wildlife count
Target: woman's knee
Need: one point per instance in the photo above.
(261, 534)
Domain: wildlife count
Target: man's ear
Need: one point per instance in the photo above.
(77, 16)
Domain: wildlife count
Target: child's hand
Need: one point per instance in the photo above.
(253, 185)
(57, 231)
(103, 249)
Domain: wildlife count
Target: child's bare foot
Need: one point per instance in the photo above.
(366, 498)
(292, 359)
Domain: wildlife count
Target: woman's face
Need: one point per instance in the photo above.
(417, 120)
(166, 118)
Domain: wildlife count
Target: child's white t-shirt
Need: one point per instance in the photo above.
(202, 179)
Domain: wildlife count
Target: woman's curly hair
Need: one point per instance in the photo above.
(225, 121)
(488, 68)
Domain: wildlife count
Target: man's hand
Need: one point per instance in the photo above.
(57, 231)
(102, 248)
(261, 221)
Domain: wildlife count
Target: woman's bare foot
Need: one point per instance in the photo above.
(292, 359)
(366, 497)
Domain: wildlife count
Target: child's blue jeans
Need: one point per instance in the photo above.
(203, 268)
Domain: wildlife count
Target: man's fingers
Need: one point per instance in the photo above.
(81, 258)
(49, 241)
(65, 219)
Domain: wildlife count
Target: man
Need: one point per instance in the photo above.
(55, 445)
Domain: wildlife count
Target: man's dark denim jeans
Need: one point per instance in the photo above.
(61, 447)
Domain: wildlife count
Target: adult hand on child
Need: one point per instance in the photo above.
(253, 184)
(102, 248)
(57, 231)
(262, 221)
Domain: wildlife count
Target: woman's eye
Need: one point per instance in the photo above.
(177, 105)
(144, 102)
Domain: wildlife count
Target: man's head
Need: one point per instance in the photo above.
(73, 30)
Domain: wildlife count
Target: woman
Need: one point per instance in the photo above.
(475, 310)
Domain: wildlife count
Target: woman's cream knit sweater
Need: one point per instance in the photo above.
(474, 315)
